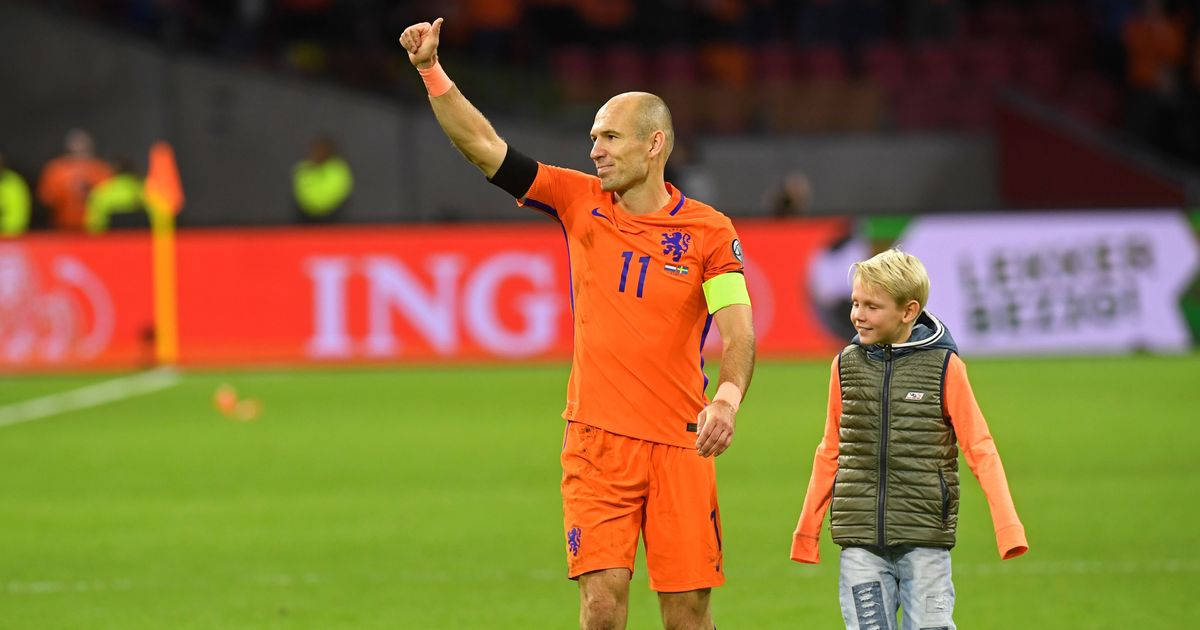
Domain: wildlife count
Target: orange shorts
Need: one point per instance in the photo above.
(615, 487)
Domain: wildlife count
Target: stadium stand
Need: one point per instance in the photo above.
(730, 69)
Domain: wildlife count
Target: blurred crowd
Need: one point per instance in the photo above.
(78, 191)
(741, 66)
(725, 66)
(81, 192)
(1160, 51)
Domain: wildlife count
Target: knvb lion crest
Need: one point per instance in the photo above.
(574, 537)
(676, 244)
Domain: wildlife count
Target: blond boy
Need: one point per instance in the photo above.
(900, 407)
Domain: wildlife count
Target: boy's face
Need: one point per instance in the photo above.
(876, 316)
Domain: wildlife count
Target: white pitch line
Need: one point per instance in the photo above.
(89, 396)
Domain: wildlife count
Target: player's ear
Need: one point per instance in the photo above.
(658, 143)
(911, 311)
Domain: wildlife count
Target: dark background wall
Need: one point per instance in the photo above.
(238, 132)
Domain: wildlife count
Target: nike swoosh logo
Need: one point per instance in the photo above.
(596, 213)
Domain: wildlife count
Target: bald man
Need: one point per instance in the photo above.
(651, 270)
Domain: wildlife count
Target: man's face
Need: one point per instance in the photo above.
(320, 150)
(79, 143)
(622, 158)
(876, 316)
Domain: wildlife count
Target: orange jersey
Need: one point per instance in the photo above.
(639, 309)
(977, 447)
(64, 186)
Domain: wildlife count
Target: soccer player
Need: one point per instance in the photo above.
(651, 269)
(899, 407)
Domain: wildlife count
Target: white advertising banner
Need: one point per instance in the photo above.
(1026, 283)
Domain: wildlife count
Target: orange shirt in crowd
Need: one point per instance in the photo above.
(610, 14)
(1154, 45)
(639, 308)
(973, 438)
(491, 15)
(64, 186)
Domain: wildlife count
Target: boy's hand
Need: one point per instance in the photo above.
(714, 428)
(421, 42)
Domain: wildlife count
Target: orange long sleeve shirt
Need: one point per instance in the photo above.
(973, 438)
(64, 186)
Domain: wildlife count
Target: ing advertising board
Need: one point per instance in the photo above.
(350, 294)
(73, 302)
(1021, 283)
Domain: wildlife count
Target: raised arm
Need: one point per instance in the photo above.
(466, 127)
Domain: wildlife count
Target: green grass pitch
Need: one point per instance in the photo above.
(428, 498)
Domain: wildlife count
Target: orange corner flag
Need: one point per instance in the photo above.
(164, 192)
(164, 198)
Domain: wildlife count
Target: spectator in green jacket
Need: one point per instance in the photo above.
(322, 183)
(14, 202)
(117, 202)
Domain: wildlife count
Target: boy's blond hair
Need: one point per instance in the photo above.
(901, 275)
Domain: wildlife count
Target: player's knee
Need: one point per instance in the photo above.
(603, 598)
(601, 610)
(686, 611)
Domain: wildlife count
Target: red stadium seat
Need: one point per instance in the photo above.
(886, 64)
(776, 64)
(677, 72)
(1092, 98)
(822, 62)
(677, 64)
(987, 62)
(1065, 29)
(920, 109)
(999, 20)
(574, 68)
(974, 107)
(779, 93)
(623, 68)
(1039, 68)
(728, 104)
(934, 65)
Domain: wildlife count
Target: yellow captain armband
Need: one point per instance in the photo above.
(725, 289)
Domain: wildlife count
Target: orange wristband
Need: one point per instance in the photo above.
(436, 81)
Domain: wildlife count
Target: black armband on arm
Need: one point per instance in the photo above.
(516, 173)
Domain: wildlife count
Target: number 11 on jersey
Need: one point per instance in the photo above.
(645, 262)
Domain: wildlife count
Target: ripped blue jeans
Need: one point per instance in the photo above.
(874, 584)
